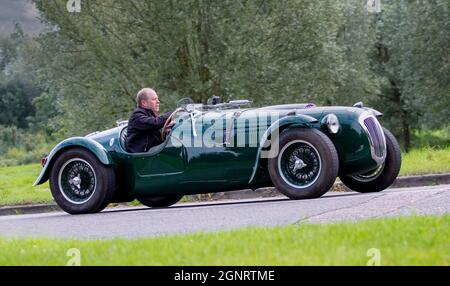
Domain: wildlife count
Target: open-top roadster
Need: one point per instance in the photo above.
(298, 148)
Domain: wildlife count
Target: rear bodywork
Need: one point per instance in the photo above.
(177, 168)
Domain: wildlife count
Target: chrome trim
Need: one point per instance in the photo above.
(361, 119)
(121, 122)
(299, 164)
(92, 133)
(369, 176)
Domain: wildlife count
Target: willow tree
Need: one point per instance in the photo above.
(412, 56)
(94, 61)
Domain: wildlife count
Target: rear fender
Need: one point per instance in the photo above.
(93, 146)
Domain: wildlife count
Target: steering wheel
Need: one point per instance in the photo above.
(169, 119)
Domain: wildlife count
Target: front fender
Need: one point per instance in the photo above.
(297, 120)
(375, 112)
(93, 146)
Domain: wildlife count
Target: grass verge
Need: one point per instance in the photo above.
(16, 186)
(426, 161)
(400, 241)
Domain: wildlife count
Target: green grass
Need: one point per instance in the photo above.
(426, 160)
(435, 138)
(16, 185)
(16, 182)
(401, 241)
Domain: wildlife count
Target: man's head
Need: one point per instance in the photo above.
(147, 98)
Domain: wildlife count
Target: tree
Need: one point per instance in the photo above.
(16, 89)
(268, 51)
(412, 56)
(328, 52)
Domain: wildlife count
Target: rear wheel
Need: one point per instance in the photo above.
(160, 202)
(306, 166)
(80, 183)
(382, 177)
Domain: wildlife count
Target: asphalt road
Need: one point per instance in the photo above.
(225, 215)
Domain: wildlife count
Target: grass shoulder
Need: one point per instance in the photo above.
(426, 161)
(419, 240)
(16, 186)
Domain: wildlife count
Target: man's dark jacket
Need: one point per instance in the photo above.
(144, 130)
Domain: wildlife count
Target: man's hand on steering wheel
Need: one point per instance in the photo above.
(169, 123)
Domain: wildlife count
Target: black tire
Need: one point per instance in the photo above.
(382, 177)
(160, 202)
(80, 183)
(304, 152)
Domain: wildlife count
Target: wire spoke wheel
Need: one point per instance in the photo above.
(80, 183)
(77, 181)
(306, 166)
(299, 164)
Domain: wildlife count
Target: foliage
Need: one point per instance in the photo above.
(8, 47)
(16, 97)
(424, 138)
(18, 146)
(16, 89)
(25, 111)
(412, 56)
(267, 51)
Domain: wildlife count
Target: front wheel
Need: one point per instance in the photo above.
(306, 165)
(160, 202)
(383, 176)
(80, 183)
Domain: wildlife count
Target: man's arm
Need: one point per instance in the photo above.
(143, 122)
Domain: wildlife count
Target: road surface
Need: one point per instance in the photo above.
(226, 215)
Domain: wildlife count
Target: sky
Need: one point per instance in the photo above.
(19, 11)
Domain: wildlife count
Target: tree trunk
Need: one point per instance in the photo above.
(404, 118)
(406, 136)
(203, 34)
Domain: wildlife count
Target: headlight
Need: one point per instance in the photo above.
(332, 123)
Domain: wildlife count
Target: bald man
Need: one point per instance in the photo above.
(144, 125)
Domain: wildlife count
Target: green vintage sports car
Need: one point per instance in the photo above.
(298, 148)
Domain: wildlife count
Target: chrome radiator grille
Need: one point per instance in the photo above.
(376, 136)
